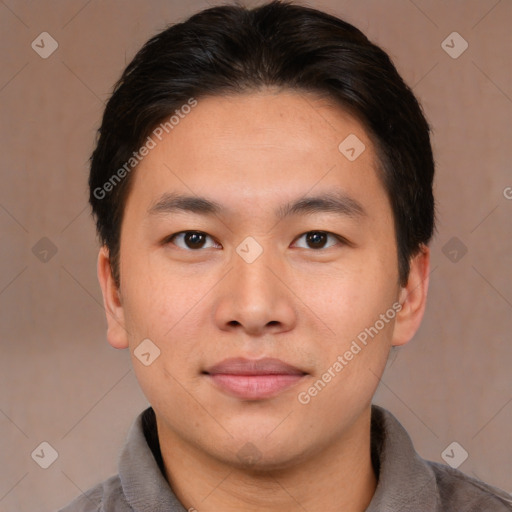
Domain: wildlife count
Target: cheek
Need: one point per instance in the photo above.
(351, 298)
(353, 356)
(168, 309)
(358, 335)
(149, 295)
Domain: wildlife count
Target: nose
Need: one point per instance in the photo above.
(255, 297)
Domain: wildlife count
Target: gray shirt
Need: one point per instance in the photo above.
(406, 482)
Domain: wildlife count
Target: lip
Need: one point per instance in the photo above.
(253, 379)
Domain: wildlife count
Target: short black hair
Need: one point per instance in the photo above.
(231, 49)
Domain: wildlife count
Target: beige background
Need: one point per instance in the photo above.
(62, 383)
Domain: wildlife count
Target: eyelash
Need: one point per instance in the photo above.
(340, 239)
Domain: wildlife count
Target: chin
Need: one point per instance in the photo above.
(262, 455)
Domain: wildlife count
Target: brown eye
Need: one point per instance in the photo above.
(318, 239)
(191, 239)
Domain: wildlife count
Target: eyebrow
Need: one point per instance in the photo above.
(329, 202)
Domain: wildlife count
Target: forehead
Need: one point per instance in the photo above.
(254, 148)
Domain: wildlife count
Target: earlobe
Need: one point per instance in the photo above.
(413, 298)
(116, 332)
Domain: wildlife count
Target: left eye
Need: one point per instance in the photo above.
(317, 239)
(196, 239)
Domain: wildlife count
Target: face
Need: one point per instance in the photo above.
(251, 276)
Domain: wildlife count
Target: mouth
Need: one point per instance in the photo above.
(254, 379)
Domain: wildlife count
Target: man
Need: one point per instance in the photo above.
(262, 187)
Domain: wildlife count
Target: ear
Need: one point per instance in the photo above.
(116, 332)
(413, 298)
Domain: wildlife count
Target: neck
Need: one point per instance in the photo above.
(339, 476)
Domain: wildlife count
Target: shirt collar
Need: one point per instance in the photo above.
(143, 482)
(405, 481)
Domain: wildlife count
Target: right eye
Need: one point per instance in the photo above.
(192, 240)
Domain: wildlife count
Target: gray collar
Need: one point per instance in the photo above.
(406, 482)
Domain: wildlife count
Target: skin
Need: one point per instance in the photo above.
(304, 305)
